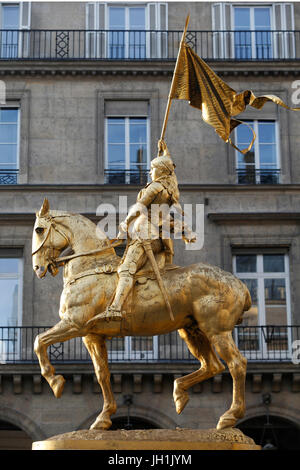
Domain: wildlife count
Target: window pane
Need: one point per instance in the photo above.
(136, 18)
(276, 312)
(138, 131)
(244, 134)
(273, 263)
(10, 18)
(116, 155)
(8, 154)
(116, 18)
(138, 154)
(116, 131)
(8, 133)
(9, 265)
(267, 154)
(8, 115)
(242, 18)
(246, 263)
(266, 132)
(251, 316)
(262, 18)
(275, 291)
(247, 159)
(9, 302)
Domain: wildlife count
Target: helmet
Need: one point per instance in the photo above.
(164, 162)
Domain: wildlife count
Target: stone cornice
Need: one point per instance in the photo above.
(142, 68)
(126, 188)
(238, 217)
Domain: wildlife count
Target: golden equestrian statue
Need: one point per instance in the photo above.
(206, 303)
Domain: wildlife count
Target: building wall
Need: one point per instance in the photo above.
(62, 158)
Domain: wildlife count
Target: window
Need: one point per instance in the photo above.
(253, 32)
(136, 32)
(10, 23)
(261, 164)
(264, 327)
(134, 348)
(11, 303)
(15, 25)
(127, 149)
(9, 145)
(252, 39)
(127, 40)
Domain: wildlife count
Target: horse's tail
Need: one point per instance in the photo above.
(247, 304)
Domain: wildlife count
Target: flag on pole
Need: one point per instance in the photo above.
(197, 83)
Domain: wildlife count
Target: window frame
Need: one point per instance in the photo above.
(252, 27)
(97, 37)
(257, 161)
(127, 142)
(260, 275)
(18, 107)
(12, 333)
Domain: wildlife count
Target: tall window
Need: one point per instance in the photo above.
(128, 38)
(9, 145)
(253, 32)
(261, 164)
(126, 30)
(127, 150)
(10, 306)
(252, 39)
(10, 23)
(267, 278)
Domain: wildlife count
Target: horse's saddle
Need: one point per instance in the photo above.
(141, 276)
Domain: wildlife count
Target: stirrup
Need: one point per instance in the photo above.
(111, 314)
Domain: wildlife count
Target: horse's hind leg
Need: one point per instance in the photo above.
(200, 347)
(62, 331)
(96, 346)
(237, 363)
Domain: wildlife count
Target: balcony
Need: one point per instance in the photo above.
(252, 176)
(147, 45)
(267, 344)
(8, 176)
(126, 176)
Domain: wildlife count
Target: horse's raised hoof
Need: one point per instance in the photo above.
(57, 385)
(181, 401)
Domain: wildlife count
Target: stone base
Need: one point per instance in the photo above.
(150, 439)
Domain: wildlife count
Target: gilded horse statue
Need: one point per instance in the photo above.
(206, 302)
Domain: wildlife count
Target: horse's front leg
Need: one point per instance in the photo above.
(62, 331)
(96, 346)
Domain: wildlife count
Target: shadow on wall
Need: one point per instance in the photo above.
(13, 438)
(272, 432)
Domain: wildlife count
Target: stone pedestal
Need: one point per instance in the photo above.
(150, 439)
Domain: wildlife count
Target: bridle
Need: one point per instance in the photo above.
(55, 262)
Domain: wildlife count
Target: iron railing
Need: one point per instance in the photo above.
(41, 44)
(258, 343)
(8, 176)
(126, 176)
(253, 176)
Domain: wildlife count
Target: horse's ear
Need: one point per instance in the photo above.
(45, 208)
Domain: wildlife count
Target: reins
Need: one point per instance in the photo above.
(63, 259)
(59, 261)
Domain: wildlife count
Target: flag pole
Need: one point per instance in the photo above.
(163, 131)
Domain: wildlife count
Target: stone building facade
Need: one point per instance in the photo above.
(69, 73)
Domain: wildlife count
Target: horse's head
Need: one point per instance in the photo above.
(48, 241)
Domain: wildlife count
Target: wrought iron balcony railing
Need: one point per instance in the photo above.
(8, 176)
(252, 176)
(126, 176)
(41, 44)
(258, 343)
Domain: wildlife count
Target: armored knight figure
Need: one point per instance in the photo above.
(141, 231)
